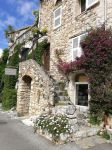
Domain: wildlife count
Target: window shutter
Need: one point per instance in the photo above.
(57, 22)
(57, 12)
(57, 17)
(75, 53)
(75, 42)
(90, 3)
(79, 53)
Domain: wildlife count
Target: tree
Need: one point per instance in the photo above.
(3, 62)
(8, 30)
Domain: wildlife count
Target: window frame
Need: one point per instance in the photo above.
(79, 47)
(88, 6)
(58, 17)
(76, 98)
(93, 3)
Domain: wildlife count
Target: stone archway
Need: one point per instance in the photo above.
(25, 95)
(35, 89)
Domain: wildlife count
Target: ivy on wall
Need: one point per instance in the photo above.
(3, 61)
(38, 51)
(9, 92)
(9, 97)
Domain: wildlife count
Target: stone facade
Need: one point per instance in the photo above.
(18, 37)
(35, 89)
(73, 23)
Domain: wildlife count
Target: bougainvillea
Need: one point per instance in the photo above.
(97, 63)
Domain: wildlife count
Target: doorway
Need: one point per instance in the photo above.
(26, 92)
(81, 90)
(82, 94)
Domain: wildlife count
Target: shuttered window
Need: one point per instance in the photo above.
(89, 3)
(76, 48)
(85, 4)
(57, 17)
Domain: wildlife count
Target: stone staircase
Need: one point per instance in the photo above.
(60, 93)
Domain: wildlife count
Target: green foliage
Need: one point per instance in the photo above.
(38, 52)
(54, 125)
(95, 120)
(44, 31)
(106, 135)
(8, 30)
(3, 62)
(40, 48)
(9, 94)
(9, 98)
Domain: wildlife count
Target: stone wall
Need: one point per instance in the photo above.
(35, 90)
(73, 23)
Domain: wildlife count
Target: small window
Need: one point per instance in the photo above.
(85, 4)
(76, 48)
(57, 17)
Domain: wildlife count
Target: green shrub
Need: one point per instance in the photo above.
(3, 62)
(106, 135)
(95, 120)
(9, 98)
(9, 93)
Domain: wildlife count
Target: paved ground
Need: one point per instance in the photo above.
(102, 147)
(16, 136)
(94, 143)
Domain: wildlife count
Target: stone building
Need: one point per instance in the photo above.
(67, 23)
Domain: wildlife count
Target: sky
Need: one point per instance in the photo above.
(17, 13)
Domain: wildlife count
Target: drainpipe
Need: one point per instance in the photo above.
(105, 13)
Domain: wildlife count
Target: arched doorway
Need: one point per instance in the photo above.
(81, 90)
(26, 93)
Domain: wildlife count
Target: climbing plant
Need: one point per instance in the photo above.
(9, 91)
(39, 50)
(3, 62)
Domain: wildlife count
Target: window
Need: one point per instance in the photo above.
(76, 48)
(85, 4)
(57, 17)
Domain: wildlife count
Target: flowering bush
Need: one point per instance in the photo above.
(67, 67)
(54, 125)
(96, 61)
